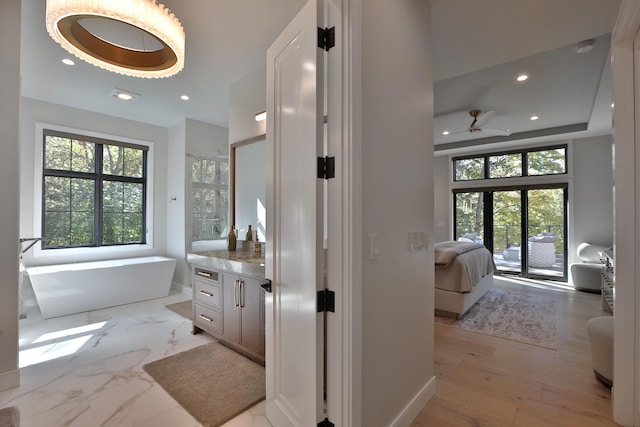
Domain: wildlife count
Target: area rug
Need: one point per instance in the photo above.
(10, 417)
(183, 308)
(519, 317)
(212, 382)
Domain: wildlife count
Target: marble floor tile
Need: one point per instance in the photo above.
(85, 369)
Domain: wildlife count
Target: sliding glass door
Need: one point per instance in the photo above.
(524, 227)
(469, 208)
(507, 230)
(546, 236)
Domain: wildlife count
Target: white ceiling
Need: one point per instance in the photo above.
(225, 40)
(478, 46)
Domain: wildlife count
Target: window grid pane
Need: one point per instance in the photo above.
(70, 193)
(209, 198)
(469, 169)
(547, 162)
(505, 165)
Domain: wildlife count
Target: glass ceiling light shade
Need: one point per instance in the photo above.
(139, 38)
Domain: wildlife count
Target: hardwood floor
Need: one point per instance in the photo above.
(488, 381)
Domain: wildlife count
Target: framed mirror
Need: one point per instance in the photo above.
(248, 186)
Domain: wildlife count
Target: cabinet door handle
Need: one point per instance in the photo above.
(235, 293)
(208, 319)
(203, 273)
(241, 293)
(206, 293)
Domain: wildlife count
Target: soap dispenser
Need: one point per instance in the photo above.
(257, 248)
(231, 240)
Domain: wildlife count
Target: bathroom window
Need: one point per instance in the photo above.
(209, 198)
(94, 191)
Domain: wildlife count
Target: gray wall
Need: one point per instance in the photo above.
(9, 190)
(590, 194)
(396, 108)
(592, 219)
(442, 199)
(33, 111)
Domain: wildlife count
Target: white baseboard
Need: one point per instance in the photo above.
(181, 288)
(416, 405)
(9, 380)
(187, 291)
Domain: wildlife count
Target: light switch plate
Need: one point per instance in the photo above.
(373, 247)
(418, 240)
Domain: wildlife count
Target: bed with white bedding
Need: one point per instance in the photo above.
(463, 274)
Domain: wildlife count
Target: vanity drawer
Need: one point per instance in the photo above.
(206, 274)
(209, 294)
(207, 319)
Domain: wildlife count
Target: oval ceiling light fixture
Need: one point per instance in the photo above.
(534, 118)
(67, 61)
(446, 132)
(184, 97)
(522, 77)
(139, 38)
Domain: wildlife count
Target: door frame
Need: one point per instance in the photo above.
(625, 75)
(344, 270)
(344, 253)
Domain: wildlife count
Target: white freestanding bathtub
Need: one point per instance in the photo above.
(75, 288)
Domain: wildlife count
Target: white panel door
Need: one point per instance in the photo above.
(293, 328)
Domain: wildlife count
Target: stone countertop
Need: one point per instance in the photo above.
(240, 262)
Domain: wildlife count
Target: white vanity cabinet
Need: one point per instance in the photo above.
(244, 312)
(207, 299)
(229, 307)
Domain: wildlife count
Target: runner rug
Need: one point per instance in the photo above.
(519, 317)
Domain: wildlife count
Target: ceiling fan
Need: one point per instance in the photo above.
(479, 120)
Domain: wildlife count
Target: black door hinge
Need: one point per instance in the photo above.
(326, 301)
(326, 167)
(326, 423)
(326, 38)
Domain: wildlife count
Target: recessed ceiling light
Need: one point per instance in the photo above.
(584, 46)
(522, 77)
(124, 95)
(184, 97)
(446, 132)
(68, 61)
(534, 118)
(612, 105)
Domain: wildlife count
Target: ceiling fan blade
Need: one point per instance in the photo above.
(484, 119)
(457, 132)
(502, 132)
